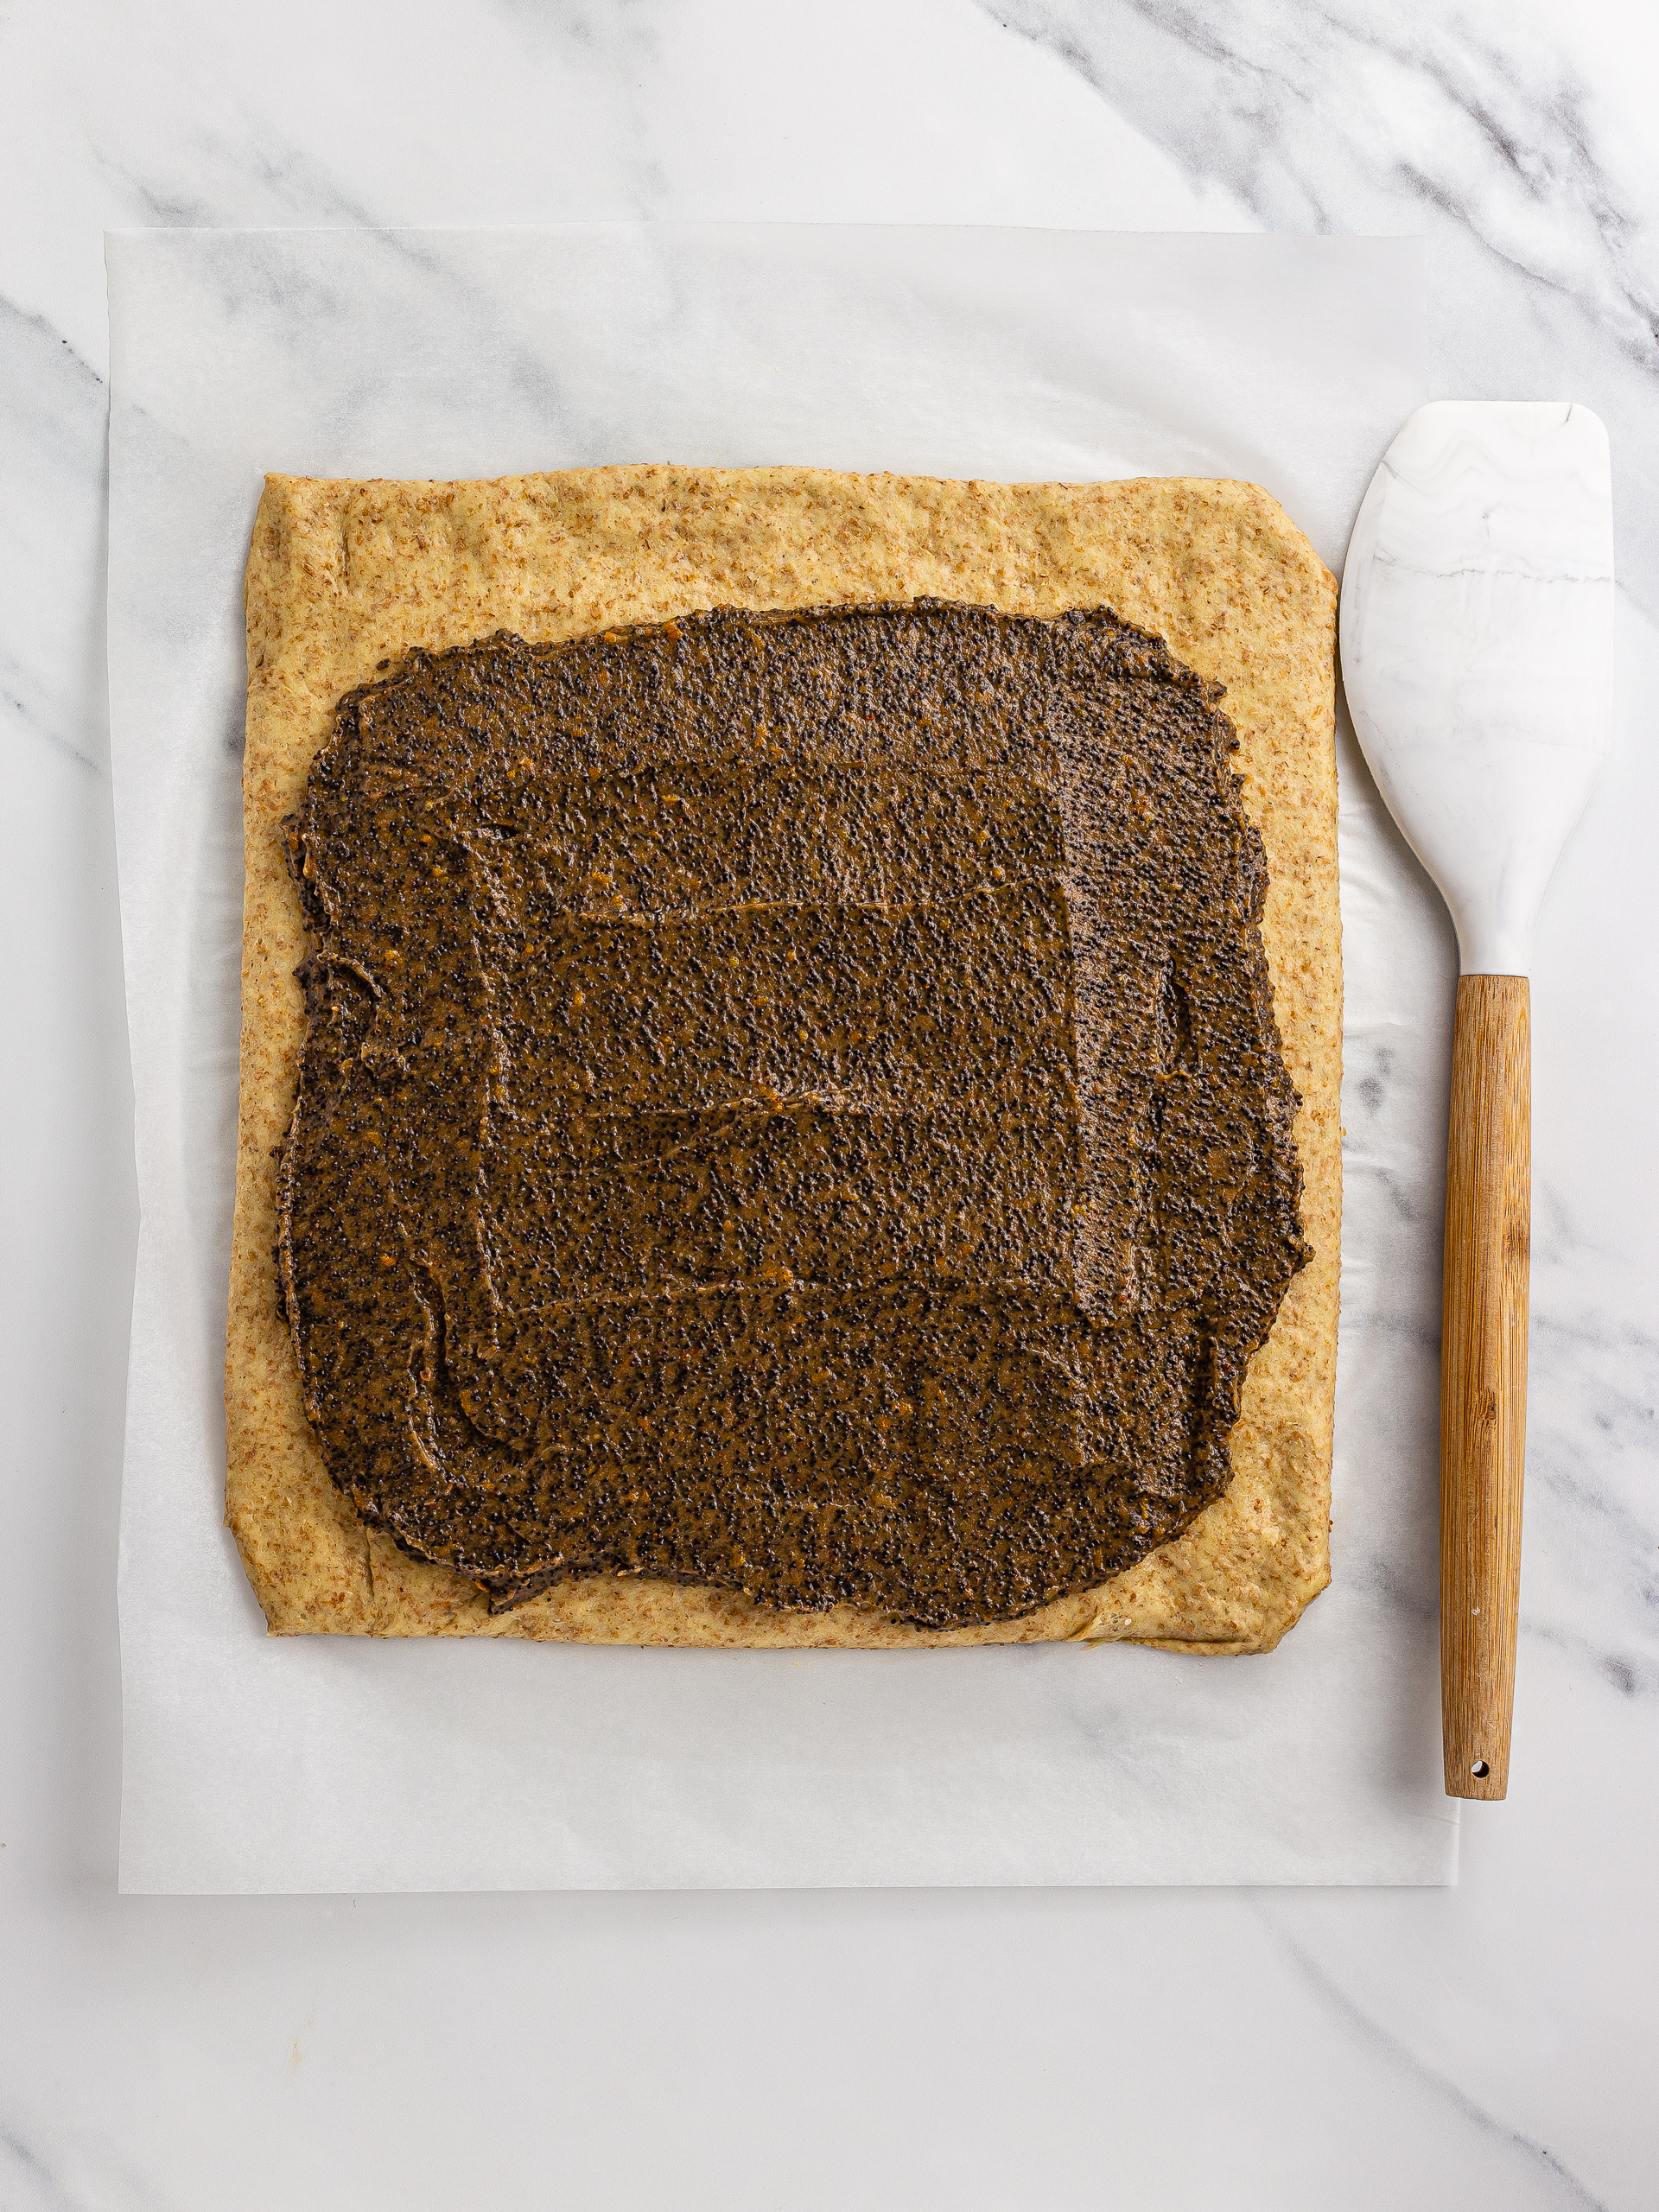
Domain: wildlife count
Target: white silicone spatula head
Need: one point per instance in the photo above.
(1477, 650)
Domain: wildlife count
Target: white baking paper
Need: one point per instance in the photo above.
(340, 1763)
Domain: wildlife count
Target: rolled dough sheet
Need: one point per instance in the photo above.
(342, 577)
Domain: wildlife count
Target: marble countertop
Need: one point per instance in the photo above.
(1492, 2046)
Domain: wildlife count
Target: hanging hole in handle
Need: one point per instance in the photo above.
(1480, 1770)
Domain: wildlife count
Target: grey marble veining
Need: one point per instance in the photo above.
(1520, 154)
(1532, 2173)
(51, 516)
(1492, 2047)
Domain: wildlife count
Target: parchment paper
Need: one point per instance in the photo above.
(338, 1763)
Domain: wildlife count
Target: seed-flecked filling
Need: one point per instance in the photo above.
(791, 1102)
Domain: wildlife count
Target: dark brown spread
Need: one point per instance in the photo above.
(789, 1102)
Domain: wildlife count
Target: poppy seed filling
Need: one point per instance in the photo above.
(789, 1102)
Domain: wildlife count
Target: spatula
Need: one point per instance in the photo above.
(1476, 653)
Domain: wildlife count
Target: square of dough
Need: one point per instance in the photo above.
(343, 578)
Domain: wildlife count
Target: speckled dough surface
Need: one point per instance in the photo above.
(343, 578)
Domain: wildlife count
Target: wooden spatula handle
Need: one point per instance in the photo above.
(1483, 1378)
